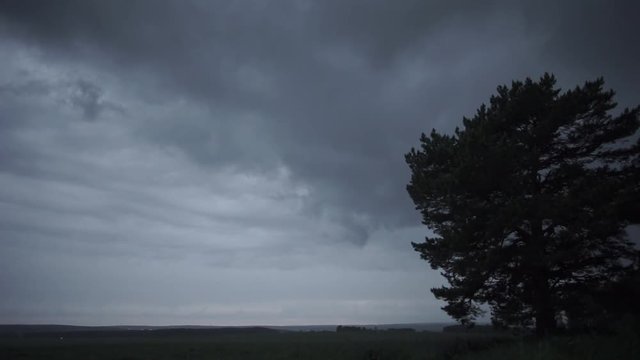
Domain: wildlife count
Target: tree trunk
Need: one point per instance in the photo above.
(545, 324)
(541, 297)
(542, 307)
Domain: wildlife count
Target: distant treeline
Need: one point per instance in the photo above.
(70, 332)
(348, 328)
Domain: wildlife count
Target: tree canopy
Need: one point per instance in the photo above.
(530, 202)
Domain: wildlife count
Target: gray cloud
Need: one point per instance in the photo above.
(253, 131)
(88, 98)
(320, 80)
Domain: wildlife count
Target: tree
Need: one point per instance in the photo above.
(529, 202)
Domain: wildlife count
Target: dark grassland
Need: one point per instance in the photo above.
(272, 344)
(250, 345)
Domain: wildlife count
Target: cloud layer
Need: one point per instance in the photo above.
(242, 162)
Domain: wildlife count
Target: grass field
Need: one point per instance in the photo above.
(582, 347)
(194, 345)
(276, 345)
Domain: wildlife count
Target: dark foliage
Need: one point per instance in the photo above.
(530, 203)
(347, 328)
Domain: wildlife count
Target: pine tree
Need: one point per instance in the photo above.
(529, 202)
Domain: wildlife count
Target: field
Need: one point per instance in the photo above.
(202, 344)
(582, 347)
(260, 343)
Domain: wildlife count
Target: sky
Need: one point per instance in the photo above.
(242, 162)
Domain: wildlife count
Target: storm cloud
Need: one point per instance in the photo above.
(241, 162)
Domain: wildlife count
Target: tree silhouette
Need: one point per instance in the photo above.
(529, 202)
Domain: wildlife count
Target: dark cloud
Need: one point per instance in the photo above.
(319, 77)
(583, 40)
(87, 97)
(242, 118)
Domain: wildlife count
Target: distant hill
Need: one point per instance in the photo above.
(124, 331)
(26, 329)
(48, 330)
(435, 327)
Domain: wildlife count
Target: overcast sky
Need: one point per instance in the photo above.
(242, 162)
